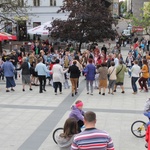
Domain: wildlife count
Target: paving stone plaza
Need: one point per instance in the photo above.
(27, 119)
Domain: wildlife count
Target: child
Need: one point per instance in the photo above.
(78, 113)
(66, 83)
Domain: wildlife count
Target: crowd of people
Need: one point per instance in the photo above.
(102, 68)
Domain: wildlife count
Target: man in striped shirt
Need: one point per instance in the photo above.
(92, 138)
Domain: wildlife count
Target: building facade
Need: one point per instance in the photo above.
(41, 11)
(134, 7)
(115, 7)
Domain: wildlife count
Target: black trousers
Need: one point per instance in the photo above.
(56, 86)
(80, 124)
(42, 80)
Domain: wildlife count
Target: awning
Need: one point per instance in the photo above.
(41, 30)
(6, 36)
(11, 37)
(3, 37)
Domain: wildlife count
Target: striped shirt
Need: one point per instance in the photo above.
(92, 139)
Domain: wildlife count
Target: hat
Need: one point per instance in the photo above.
(79, 104)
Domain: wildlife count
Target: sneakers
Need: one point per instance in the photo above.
(146, 145)
(12, 90)
(134, 93)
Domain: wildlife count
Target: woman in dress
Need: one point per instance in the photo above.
(120, 72)
(25, 67)
(9, 72)
(103, 70)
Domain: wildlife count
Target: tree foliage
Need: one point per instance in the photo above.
(10, 10)
(146, 10)
(145, 21)
(88, 21)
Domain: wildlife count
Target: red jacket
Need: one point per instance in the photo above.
(147, 137)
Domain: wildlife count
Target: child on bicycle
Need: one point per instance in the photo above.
(78, 113)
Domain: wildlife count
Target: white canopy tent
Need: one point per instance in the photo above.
(40, 30)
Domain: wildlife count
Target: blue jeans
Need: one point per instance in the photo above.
(129, 70)
(133, 83)
(147, 114)
(91, 85)
(148, 81)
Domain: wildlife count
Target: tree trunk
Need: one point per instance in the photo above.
(146, 29)
(80, 46)
(0, 47)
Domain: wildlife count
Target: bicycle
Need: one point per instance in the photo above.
(58, 131)
(138, 128)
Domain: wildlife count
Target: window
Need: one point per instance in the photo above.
(36, 2)
(21, 3)
(35, 24)
(52, 2)
(8, 27)
(5, 1)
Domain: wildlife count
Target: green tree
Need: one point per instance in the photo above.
(146, 9)
(145, 21)
(88, 21)
(10, 10)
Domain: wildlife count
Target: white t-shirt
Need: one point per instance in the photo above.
(135, 71)
(116, 61)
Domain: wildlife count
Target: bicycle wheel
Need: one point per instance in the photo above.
(138, 128)
(56, 133)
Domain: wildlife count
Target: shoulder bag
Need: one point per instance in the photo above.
(120, 70)
(108, 75)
